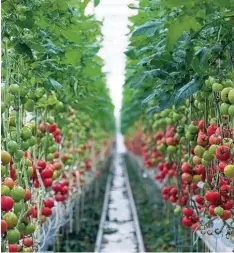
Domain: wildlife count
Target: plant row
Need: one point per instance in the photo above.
(56, 114)
(180, 93)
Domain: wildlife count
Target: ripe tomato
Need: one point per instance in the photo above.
(49, 203)
(188, 212)
(186, 177)
(227, 214)
(28, 241)
(8, 182)
(4, 226)
(186, 167)
(213, 197)
(47, 182)
(13, 247)
(28, 195)
(47, 173)
(6, 203)
(46, 211)
(223, 153)
(187, 222)
(41, 164)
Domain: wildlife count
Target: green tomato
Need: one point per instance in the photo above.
(18, 193)
(23, 91)
(12, 146)
(212, 149)
(205, 162)
(219, 211)
(52, 149)
(19, 154)
(26, 133)
(24, 145)
(22, 18)
(177, 210)
(224, 108)
(228, 83)
(193, 128)
(5, 190)
(217, 87)
(50, 120)
(224, 94)
(12, 120)
(21, 227)
(3, 107)
(30, 229)
(231, 110)
(10, 98)
(3, 171)
(208, 156)
(171, 149)
(14, 89)
(39, 92)
(229, 171)
(32, 141)
(49, 157)
(199, 151)
(13, 236)
(231, 96)
(14, 135)
(29, 105)
(18, 206)
(30, 171)
(27, 162)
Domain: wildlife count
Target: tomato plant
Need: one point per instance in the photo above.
(56, 113)
(177, 108)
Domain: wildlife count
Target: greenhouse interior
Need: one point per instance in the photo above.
(117, 126)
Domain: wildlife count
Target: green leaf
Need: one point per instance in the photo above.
(186, 91)
(131, 53)
(96, 2)
(177, 3)
(148, 29)
(176, 29)
(72, 56)
(55, 84)
(166, 102)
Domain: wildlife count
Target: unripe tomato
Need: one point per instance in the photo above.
(26, 133)
(12, 146)
(5, 157)
(29, 105)
(14, 89)
(5, 190)
(11, 219)
(30, 229)
(18, 193)
(13, 236)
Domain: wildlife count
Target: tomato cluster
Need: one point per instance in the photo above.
(191, 150)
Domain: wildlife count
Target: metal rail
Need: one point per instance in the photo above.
(104, 213)
(138, 240)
